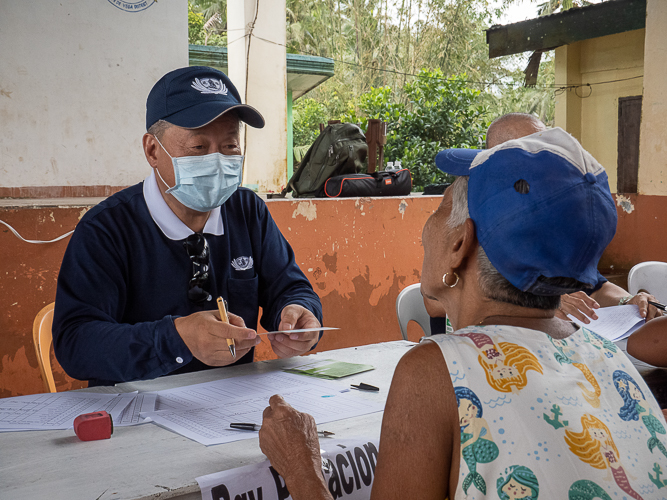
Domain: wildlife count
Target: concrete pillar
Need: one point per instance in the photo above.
(653, 141)
(258, 68)
(568, 104)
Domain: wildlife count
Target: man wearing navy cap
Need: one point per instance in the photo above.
(137, 286)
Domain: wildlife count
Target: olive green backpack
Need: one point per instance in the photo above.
(340, 149)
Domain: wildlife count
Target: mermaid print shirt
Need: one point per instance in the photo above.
(547, 418)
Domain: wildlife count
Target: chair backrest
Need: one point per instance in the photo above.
(43, 339)
(410, 307)
(650, 276)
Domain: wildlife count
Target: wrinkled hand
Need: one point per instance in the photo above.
(206, 337)
(578, 305)
(289, 440)
(294, 317)
(645, 309)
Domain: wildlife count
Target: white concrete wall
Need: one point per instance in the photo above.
(261, 54)
(653, 141)
(74, 77)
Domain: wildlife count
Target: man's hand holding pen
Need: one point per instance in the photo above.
(205, 334)
(294, 317)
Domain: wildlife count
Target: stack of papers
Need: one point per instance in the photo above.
(58, 410)
(203, 412)
(200, 412)
(614, 323)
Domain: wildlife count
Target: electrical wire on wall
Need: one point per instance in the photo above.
(16, 233)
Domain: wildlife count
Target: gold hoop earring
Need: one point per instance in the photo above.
(444, 280)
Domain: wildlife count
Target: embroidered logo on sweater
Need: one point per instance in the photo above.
(209, 86)
(242, 263)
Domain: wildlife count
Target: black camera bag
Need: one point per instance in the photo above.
(385, 183)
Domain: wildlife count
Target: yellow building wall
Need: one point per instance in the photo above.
(653, 141)
(591, 113)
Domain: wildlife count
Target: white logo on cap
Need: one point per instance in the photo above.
(209, 86)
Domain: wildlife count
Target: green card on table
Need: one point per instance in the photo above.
(329, 369)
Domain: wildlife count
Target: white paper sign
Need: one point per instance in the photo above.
(348, 466)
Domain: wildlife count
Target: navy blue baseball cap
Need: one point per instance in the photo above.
(541, 206)
(195, 96)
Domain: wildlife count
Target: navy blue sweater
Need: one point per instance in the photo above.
(122, 282)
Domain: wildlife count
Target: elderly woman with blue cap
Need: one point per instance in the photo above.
(495, 410)
(137, 289)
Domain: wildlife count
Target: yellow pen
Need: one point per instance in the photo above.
(225, 319)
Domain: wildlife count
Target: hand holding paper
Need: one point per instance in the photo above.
(294, 317)
(614, 323)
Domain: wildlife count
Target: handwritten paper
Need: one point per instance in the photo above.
(203, 412)
(614, 323)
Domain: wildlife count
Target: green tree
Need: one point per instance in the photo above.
(307, 114)
(439, 113)
(206, 27)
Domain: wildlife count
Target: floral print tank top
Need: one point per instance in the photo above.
(552, 419)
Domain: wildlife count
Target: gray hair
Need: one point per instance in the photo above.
(492, 284)
(159, 128)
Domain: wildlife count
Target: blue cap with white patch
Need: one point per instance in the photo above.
(195, 96)
(541, 207)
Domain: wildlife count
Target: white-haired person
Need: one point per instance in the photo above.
(516, 402)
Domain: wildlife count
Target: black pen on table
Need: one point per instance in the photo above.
(255, 427)
(225, 319)
(365, 387)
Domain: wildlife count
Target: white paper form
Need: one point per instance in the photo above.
(57, 410)
(210, 425)
(140, 403)
(615, 323)
(222, 391)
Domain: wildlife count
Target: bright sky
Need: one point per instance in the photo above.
(524, 9)
(520, 11)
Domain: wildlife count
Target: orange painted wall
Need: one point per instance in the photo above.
(357, 253)
(641, 234)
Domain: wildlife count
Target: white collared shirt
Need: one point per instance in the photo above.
(173, 227)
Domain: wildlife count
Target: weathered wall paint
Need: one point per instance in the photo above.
(591, 113)
(357, 253)
(640, 234)
(73, 90)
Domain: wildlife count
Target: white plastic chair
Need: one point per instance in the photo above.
(650, 276)
(410, 307)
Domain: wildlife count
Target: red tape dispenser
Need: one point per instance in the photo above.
(93, 426)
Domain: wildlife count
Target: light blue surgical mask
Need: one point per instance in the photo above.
(204, 182)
